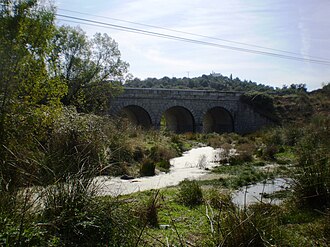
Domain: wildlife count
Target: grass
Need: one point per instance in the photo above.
(177, 223)
(217, 222)
(72, 216)
(238, 176)
(301, 227)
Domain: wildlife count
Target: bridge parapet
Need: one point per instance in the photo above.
(179, 94)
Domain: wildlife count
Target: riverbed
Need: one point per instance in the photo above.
(191, 165)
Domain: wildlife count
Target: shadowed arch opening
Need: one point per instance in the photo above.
(178, 119)
(218, 120)
(137, 116)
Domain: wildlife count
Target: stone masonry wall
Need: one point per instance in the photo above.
(198, 102)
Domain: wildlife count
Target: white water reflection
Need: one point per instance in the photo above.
(191, 165)
(253, 193)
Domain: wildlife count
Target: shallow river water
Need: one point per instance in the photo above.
(191, 165)
(254, 193)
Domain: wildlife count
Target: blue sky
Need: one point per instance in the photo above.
(298, 26)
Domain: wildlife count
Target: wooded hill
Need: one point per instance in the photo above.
(287, 104)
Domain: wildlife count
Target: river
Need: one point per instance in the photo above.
(191, 165)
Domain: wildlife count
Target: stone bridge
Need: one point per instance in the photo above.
(183, 111)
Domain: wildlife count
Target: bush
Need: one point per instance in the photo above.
(75, 217)
(149, 210)
(251, 227)
(190, 193)
(268, 152)
(219, 200)
(261, 102)
(147, 168)
(164, 165)
(160, 152)
(312, 179)
(67, 211)
(240, 159)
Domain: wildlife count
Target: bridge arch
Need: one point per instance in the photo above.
(178, 119)
(136, 115)
(219, 120)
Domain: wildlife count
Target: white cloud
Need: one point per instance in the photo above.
(266, 23)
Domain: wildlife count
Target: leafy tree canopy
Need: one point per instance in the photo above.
(91, 68)
(204, 82)
(214, 82)
(29, 96)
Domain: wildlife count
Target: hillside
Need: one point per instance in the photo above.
(204, 82)
(301, 106)
(282, 105)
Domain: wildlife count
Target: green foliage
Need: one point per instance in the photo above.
(204, 82)
(147, 167)
(294, 108)
(91, 68)
(300, 227)
(244, 154)
(149, 210)
(238, 227)
(190, 193)
(161, 155)
(312, 180)
(261, 102)
(239, 175)
(219, 200)
(164, 165)
(66, 214)
(29, 96)
(67, 211)
(77, 142)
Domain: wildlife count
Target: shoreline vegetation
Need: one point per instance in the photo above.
(56, 85)
(196, 212)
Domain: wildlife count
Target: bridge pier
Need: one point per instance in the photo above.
(188, 110)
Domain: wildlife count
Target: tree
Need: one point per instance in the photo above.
(29, 96)
(26, 90)
(91, 68)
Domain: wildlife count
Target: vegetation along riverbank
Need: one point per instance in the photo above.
(56, 85)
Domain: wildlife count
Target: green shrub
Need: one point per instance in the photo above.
(76, 217)
(161, 152)
(263, 103)
(164, 165)
(251, 227)
(219, 200)
(147, 168)
(18, 220)
(269, 151)
(190, 193)
(312, 178)
(149, 210)
(240, 159)
(138, 154)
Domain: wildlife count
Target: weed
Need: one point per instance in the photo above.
(312, 180)
(238, 227)
(202, 162)
(147, 167)
(190, 193)
(149, 210)
(164, 165)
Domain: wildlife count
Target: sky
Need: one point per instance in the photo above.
(301, 27)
